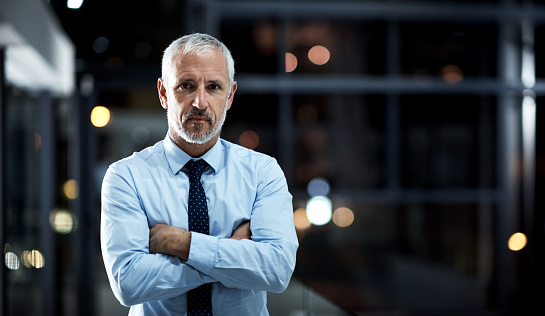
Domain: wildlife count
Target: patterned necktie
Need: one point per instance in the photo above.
(199, 300)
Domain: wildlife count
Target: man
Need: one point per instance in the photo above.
(155, 263)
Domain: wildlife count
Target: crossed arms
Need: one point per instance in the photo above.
(175, 241)
(149, 261)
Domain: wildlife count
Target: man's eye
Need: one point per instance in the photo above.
(185, 86)
(215, 87)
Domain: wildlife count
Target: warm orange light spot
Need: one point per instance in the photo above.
(249, 139)
(301, 220)
(33, 258)
(70, 189)
(100, 116)
(343, 217)
(452, 74)
(319, 55)
(517, 241)
(291, 62)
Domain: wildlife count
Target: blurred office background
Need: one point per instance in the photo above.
(408, 131)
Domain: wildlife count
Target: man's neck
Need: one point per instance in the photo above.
(192, 149)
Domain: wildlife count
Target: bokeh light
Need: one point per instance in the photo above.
(100, 45)
(301, 220)
(343, 217)
(318, 186)
(33, 258)
(452, 74)
(517, 242)
(319, 210)
(100, 116)
(318, 55)
(70, 189)
(37, 141)
(291, 62)
(249, 139)
(74, 4)
(11, 261)
(62, 221)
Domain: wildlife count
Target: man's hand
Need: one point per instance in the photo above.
(169, 240)
(175, 241)
(242, 231)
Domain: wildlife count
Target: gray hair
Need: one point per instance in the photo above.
(196, 43)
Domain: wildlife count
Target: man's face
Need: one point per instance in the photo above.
(197, 96)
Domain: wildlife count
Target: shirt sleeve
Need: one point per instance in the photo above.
(266, 262)
(135, 275)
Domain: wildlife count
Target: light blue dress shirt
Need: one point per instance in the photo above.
(150, 187)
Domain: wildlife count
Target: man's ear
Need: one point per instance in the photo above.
(162, 90)
(231, 95)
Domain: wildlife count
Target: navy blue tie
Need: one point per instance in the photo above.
(199, 300)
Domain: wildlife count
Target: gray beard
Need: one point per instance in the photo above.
(197, 138)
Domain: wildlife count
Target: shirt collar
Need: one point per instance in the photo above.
(177, 158)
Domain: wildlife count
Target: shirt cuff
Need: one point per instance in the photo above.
(202, 252)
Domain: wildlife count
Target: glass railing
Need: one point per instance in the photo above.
(300, 300)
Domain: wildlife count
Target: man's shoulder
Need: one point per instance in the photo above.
(142, 157)
(248, 160)
(238, 152)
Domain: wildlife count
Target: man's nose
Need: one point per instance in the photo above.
(200, 99)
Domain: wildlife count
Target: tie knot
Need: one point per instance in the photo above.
(195, 168)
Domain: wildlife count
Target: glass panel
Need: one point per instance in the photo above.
(340, 138)
(452, 51)
(299, 299)
(253, 44)
(402, 257)
(252, 121)
(338, 47)
(448, 141)
(344, 47)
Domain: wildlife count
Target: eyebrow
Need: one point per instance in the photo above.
(213, 81)
(217, 82)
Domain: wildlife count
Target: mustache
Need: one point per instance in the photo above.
(198, 112)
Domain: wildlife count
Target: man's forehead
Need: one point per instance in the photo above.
(209, 62)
